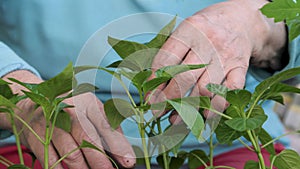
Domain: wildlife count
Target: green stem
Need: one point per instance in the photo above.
(246, 145)
(127, 92)
(15, 131)
(211, 151)
(257, 149)
(277, 138)
(29, 128)
(46, 145)
(165, 154)
(218, 113)
(272, 162)
(142, 134)
(195, 155)
(63, 157)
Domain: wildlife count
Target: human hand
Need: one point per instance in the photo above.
(226, 36)
(88, 123)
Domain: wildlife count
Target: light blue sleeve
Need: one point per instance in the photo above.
(10, 61)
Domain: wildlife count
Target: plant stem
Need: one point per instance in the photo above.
(257, 149)
(248, 147)
(195, 155)
(142, 134)
(165, 154)
(63, 157)
(277, 138)
(15, 131)
(211, 151)
(31, 130)
(46, 145)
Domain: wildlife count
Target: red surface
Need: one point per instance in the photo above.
(237, 158)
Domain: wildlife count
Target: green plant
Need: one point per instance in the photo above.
(285, 10)
(49, 95)
(243, 118)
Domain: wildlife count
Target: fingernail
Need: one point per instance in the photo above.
(129, 160)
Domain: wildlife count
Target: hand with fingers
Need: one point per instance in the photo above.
(227, 36)
(88, 122)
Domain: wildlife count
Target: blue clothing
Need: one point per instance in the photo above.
(47, 35)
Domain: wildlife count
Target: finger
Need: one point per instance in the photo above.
(174, 118)
(236, 78)
(82, 129)
(171, 53)
(117, 144)
(38, 148)
(64, 143)
(181, 83)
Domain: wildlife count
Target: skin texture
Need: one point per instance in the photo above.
(88, 123)
(225, 36)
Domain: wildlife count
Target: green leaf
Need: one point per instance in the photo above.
(63, 121)
(224, 133)
(6, 103)
(31, 87)
(79, 69)
(114, 64)
(287, 159)
(273, 80)
(197, 102)
(239, 98)
(274, 92)
(86, 144)
(5, 89)
(282, 9)
(251, 164)
(154, 83)
(125, 48)
(190, 116)
(18, 166)
(117, 110)
(57, 85)
(84, 88)
(139, 60)
(294, 27)
(40, 100)
(140, 78)
(163, 35)
(264, 137)
(172, 136)
(243, 124)
(195, 159)
(218, 89)
(177, 162)
(173, 70)
(160, 160)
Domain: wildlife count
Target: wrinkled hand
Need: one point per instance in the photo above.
(88, 123)
(226, 36)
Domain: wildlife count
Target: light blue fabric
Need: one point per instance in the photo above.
(50, 34)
